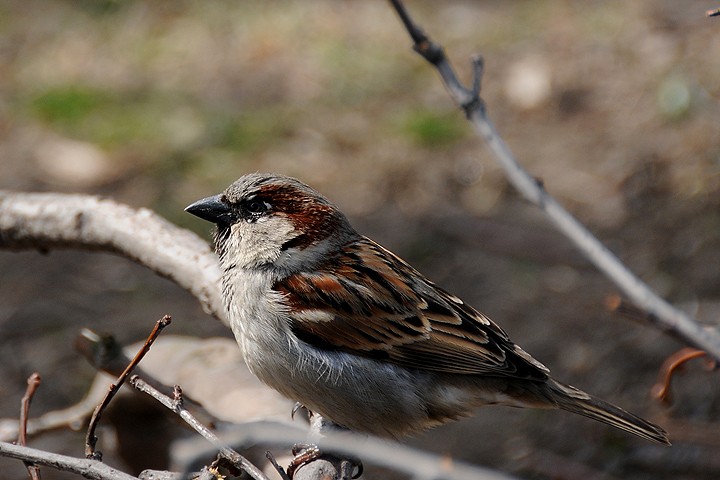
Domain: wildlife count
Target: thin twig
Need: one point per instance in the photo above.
(662, 389)
(106, 354)
(33, 382)
(87, 468)
(176, 405)
(617, 304)
(692, 332)
(90, 438)
(280, 470)
(72, 417)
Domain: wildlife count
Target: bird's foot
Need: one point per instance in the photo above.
(303, 454)
(306, 453)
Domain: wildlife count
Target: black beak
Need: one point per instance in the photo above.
(212, 209)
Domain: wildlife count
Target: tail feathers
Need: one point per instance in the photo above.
(576, 401)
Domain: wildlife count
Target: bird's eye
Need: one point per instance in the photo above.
(256, 207)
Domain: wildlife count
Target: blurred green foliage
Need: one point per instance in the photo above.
(68, 104)
(101, 7)
(151, 119)
(109, 119)
(432, 129)
(248, 130)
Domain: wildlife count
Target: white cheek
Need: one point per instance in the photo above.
(259, 242)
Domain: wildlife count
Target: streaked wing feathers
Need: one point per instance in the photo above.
(377, 305)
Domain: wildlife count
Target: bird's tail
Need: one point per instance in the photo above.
(576, 401)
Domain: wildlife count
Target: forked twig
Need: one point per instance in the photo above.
(106, 354)
(176, 405)
(90, 438)
(692, 332)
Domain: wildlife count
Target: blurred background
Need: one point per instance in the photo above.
(613, 104)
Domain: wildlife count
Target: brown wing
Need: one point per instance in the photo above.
(374, 304)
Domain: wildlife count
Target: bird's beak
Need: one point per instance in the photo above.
(212, 209)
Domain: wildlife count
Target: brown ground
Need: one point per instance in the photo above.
(613, 104)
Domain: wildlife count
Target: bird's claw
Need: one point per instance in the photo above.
(303, 454)
(306, 453)
(296, 408)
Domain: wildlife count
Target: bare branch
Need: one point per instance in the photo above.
(204, 474)
(33, 382)
(416, 463)
(280, 470)
(670, 318)
(90, 438)
(73, 416)
(176, 406)
(106, 354)
(44, 221)
(385, 453)
(87, 468)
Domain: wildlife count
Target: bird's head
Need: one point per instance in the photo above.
(268, 220)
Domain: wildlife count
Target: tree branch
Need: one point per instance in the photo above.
(669, 318)
(33, 382)
(90, 438)
(106, 355)
(176, 406)
(330, 439)
(415, 463)
(45, 221)
(87, 468)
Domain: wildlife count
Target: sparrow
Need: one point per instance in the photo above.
(331, 319)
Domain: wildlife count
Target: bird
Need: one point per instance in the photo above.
(331, 319)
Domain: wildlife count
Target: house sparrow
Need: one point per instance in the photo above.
(331, 319)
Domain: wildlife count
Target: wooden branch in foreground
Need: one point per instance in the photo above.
(91, 469)
(669, 318)
(176, 406)
(330, 439)
(414, 463)
(45, 221)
